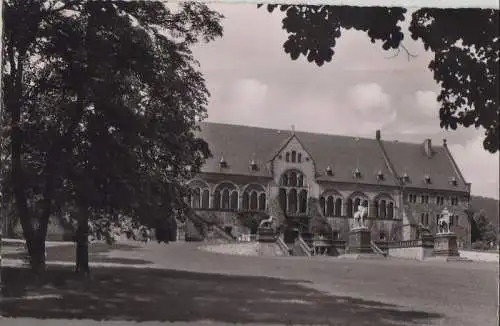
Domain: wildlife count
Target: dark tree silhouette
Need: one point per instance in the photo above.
(102, 100)
(465, 43)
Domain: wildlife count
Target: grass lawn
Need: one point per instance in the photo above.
(168, 295)
(97, 253)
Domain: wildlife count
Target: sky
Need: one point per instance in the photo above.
(252, 81)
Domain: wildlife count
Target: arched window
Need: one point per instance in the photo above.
(284, 180)
(390, 211)
(322, 205)
(246, 201)
(234, 200)
(293, 195)
(205, 199)
(357, 202)
(383, 210)
(299, 157)
(338, 207)
(216, 203)
(283, 200)
(292, 201)
(375, 209)
(294, 154)
(365, 203)
(329, 206)
(222, 195)
(349, 208)
(303, 201)
(225, 199)
(293, 179)
(196, 198)
(262, 202)
(253, 201)
(300, 180)
(287, 156)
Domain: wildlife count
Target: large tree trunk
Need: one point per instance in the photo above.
(82, 244)
(36, 249)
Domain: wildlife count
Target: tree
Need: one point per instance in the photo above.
(103, 99)
(487, 231)
(466, 56)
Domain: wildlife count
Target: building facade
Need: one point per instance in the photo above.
(404, 185)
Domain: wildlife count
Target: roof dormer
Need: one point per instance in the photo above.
(380, 175)
(329, 171)
(427, 179)
(253, 165)
(454, 181)
(406, 177)
(356, 173)
(222, 162)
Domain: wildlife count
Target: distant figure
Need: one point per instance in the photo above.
(146, 234)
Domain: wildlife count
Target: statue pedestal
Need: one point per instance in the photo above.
(359, 241)
(445, 245)
(266, 235)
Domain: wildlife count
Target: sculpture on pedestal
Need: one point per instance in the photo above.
(444, 222)
(268, 222)
(359, 217)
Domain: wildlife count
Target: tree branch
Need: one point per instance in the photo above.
(398, 51)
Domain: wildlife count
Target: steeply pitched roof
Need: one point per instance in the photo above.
(239, 145)
(412, 159)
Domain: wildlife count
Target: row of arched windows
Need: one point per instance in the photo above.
(293, 201)
(227, 197)
(332, 206)
(293, 192)
(293, 157)
(293, 179)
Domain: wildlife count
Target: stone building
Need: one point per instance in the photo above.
(404, 185)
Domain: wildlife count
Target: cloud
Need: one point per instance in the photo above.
(237, 101)
(478, 166)
(426, 102)
(372, 105)
(249, 92)
(368, 96)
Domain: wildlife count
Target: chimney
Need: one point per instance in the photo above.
(428, 147)
(377, 134)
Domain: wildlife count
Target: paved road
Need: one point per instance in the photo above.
(460, 293)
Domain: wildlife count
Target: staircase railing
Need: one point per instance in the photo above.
(195, 217)
(304, 246)
(377, 249)
(283, 246)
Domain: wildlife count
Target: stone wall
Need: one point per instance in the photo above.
(418, 253)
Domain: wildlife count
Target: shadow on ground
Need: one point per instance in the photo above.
(97, 254)
(167, 295)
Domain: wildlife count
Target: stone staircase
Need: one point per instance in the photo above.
(202, 227)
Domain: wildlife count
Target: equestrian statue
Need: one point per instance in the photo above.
(360, 216)
(444, 222)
